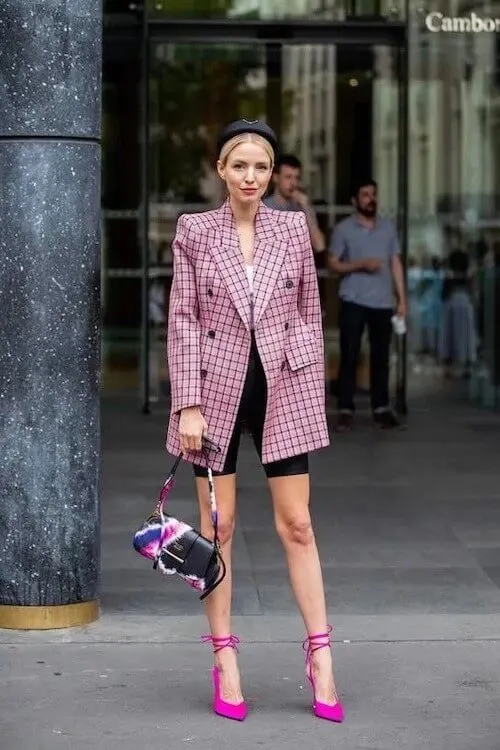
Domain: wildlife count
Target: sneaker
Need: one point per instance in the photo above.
(386, 420)
(344, 422)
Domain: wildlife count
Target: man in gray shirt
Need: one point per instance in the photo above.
(287, 196)
(364, 251)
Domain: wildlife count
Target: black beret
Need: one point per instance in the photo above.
(240, 127)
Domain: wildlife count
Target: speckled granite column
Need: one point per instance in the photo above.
(50, 81)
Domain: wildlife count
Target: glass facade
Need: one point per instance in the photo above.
(454, 196)
(340, 108)
(121, 202)
(337, 10)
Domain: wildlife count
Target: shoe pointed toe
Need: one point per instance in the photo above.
(234, 711)
(329, 713)
(237, 712)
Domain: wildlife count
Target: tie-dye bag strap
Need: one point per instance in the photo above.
(206, 447)
(175, 546)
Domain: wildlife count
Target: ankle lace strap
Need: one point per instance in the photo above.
(220, 642)
(314, 642)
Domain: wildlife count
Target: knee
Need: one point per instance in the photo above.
(296, 531)
(225, 530)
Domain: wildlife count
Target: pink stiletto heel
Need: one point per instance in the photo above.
(322, 710)
(235, 711)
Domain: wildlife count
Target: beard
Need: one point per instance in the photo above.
(369, 210)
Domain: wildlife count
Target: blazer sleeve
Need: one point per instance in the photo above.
(183, 333)
(309, 299)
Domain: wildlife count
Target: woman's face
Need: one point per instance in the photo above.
(247, 172)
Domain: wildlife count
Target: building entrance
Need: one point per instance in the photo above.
(336, 95)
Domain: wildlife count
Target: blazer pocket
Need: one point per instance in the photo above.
(301, 353)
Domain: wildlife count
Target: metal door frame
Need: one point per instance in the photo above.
(369, 33)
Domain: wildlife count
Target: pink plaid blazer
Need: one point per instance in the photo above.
(209, 334)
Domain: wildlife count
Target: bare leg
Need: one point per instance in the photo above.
(293, 523)
(218, 603)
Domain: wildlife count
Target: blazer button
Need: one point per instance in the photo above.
(289, 283)
(211, 334)
(210, 293)
(203, 373)
(286, 326)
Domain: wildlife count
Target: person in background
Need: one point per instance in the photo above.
(364, 251)
(431, 306)
(414, 321)
(480, 250)
(458, 333)
(288, 196)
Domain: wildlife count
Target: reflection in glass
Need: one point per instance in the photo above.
(454, 160)
(192, 8)
(121, 7)
(332, 107)
(121, 305)
(275, 9)
(386, 93)
(121, 187)
(195, 91)
(341, 97)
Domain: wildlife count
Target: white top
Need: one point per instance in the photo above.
(250, 277)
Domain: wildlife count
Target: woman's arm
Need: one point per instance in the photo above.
(183, 336)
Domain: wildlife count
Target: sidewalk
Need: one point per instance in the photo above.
(408, 526)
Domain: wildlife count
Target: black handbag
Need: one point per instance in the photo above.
(176, 547)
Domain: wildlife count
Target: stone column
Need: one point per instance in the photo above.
(50, 94)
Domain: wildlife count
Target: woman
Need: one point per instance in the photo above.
(458, 336)
(431, 306)
(245, 347)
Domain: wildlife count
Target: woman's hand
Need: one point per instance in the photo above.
(192, 427)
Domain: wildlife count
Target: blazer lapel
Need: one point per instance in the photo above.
(229, 260)
(269, 254)
(270, 251)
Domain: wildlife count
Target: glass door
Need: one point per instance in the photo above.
(337, 108)
(194, 92)
(344, 122)
(121, 235)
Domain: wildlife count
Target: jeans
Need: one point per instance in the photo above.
(353, 319)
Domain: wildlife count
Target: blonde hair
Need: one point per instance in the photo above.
(246, 138)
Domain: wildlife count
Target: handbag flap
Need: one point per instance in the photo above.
(189, 554)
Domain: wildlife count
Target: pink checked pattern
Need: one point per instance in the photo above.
(208, 338)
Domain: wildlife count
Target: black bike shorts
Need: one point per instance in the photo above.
(251, 414)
